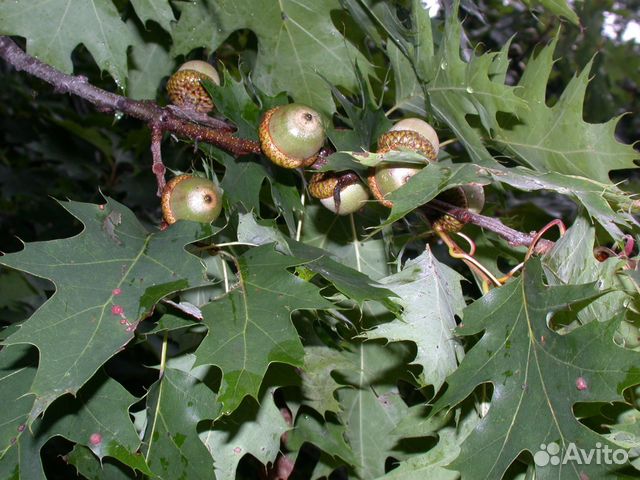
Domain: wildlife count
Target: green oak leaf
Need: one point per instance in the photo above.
(17, 462)
(54, 28)
(251, 327)
(458, 88)
(373, 365)
(169, 322)
(367, 120)
(370, 372)
(327, 436)
(285, 195)
(252, 429)
(150, 63)
(571, 261)
(537, 375)
(17, 368)
(352, 283)
(433, 464)
(242, 181)
(157, 10)
(604, 202)
(345, 238)
(176, 403)
(296, 40)
(318, 385)
(557, 7)
(626, 433)
(347, 280)
(371, 441)
(233, 102)
(431, 297)
(98, 418)
(557, 139)
(90, 466)
(108, 278)
(404, 53)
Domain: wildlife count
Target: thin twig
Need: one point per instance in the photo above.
(158, 167)
(514, 237)
(164, 118)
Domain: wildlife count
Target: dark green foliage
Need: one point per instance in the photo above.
(284, 338)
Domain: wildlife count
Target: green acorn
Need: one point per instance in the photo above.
(411, 134)
(187, 197)
(292, 135)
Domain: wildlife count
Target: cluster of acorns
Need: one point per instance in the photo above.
(292, 136)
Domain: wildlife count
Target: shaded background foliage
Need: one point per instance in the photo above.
(57, 146)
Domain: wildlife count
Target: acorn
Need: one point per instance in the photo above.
(187, 197)
(292, 135)
(342, 193)
(469, 196)
(411, 134)
(185, 88)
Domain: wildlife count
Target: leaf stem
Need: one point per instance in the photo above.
(163, 353)
(163, 366)
(232, 244)
(356, 242)
(225, 275)
(448, 142)
(301, 219)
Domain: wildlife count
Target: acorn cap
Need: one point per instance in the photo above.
(185, 89)
(421, 127)
(187, 197)
(291, 135)
(322, 184)
(470, 196)
(408, 140)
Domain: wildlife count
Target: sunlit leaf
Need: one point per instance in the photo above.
(253, 429)
(537, 376)
(431, 297)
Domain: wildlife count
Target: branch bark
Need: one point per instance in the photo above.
(165, 119)
(514, 237)
(208, 130)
